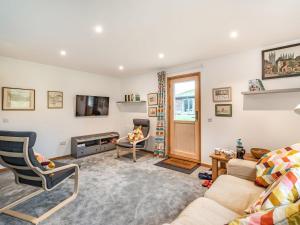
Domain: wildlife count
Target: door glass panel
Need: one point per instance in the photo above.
(184, 101)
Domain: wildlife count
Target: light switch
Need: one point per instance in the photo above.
(5, 120)
(209, 120)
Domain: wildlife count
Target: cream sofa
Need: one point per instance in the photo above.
(227, 198)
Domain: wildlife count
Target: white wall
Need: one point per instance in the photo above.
(261, 121)
(56, 126)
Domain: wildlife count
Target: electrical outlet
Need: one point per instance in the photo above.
(5, 120)
(63, 143)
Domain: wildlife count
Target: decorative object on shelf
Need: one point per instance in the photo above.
(18, 99)
(240, 151)
(297, 109)
(132, 98)
(152, 111)
(223, 110)
(55, 99)
(259, 152)
(256, 85)
(274, 91)
(281, 62)
(137, 97)
(222, 94)
(153, 99)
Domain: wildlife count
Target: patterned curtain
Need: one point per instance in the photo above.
(160, 141)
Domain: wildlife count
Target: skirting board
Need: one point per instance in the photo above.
(206, 165)
(3, 170)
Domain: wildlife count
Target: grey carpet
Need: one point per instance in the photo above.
(112, 192)
(139, 154)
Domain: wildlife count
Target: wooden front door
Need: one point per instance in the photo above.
(184, 117)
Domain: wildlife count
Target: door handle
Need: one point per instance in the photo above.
(196, 115)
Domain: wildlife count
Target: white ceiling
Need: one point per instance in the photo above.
(135, 31)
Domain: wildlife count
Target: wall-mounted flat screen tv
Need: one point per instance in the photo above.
(91, 105)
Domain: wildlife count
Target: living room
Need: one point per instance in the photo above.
(121, 62)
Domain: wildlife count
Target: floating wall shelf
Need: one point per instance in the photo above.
(271, 91)
(131, 102)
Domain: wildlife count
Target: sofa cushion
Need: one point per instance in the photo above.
(244, 169)
(275, 164)
(204, 211)
(285, 190)
(234, 193)
(283, 215)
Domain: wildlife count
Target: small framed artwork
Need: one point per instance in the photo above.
(281, 62)
(222, 94)
(223, 110)
(152, 111)
(18, 99)
(55, 100)
(152, 99)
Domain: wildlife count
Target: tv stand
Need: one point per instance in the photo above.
(91, 144)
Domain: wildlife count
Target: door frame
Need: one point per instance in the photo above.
(169, 79)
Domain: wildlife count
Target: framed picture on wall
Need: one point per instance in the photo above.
(222, 94)
(152, 99)
(18, 99)
(152, 111)
(223, 110)
(55, 100)
(281, 62)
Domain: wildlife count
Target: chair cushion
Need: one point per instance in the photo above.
(204, 211)
(234, 193)
(283, 191)
(57, 177)
(18, 147)
(127, 144)
(145, 123)
(29, 134)
(276, 163)
(52, 179)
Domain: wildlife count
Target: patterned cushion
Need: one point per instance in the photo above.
(136, 135)
(283, 215)
(283, 191)
(276, 163)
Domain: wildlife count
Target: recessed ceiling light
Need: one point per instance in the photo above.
(233, 34)
(161, 55)
(98, 29)
(121, 68)
(63, 52)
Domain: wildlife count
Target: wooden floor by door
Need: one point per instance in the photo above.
(184, 117)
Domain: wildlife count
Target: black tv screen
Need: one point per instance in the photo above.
(91, 105)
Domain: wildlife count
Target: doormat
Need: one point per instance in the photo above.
(179, 165)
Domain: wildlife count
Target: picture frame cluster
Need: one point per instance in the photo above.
(152, 99)
(222, 96)
(21, 99)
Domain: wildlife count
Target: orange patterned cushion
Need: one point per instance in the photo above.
(283, 215)
(275, 164)
(283, 191)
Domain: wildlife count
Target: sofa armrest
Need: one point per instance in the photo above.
(244, 169)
